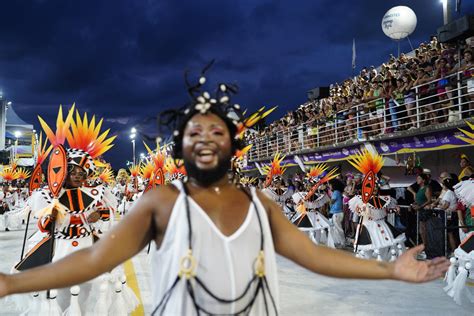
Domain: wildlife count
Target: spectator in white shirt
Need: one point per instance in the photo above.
(449, 203)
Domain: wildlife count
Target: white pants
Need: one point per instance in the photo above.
(336, 231)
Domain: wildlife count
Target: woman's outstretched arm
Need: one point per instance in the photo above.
(296, 246)
(125, 240)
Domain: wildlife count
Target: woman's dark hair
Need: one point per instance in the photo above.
(337, 185)
(424, 177)
(449, 183)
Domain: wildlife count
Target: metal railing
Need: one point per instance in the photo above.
(442, 100)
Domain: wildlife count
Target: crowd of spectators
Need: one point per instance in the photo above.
(421, 210)
(382, 100)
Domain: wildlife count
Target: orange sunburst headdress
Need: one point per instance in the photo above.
(23, 174)
(9, 174)
(158, 157)
(106, 176)
(87, 142)
(318, 175)
(275, 170)
(134, 170)
(62, 127)
(316, 172)
(469, 135)
(369, 164)
(146, 170)
(174, 169)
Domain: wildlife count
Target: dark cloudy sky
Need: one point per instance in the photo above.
(124, 60)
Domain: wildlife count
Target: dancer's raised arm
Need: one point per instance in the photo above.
(122, 242)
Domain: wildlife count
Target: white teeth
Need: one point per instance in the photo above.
(206, 152)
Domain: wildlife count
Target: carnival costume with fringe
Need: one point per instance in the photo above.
(308, 204)
(375, 237)
(70, 229)
(461, 270)
(274, 173)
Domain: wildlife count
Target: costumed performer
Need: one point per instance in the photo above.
(375, 237)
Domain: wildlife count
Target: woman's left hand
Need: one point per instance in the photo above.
(407, 268)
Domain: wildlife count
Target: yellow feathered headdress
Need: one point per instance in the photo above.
(369, 164)
(175, 170)
(22, 173)
(87, 142)
(366, 161)
(275, 169)
(252, 120)
(9, 174)
(106, 176)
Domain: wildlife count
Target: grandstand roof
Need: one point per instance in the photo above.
(13, 120)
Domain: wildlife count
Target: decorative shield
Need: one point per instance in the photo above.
(57, 169)
(158, 177)
(36, 178)
(368, 186)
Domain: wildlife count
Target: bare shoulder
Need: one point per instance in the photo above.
(158, 203)
(267, 203)
(161, 197)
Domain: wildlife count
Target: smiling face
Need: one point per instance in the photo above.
(207, 148)
(75, 177)
(206, 139)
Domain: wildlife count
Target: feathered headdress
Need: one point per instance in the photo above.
(275, 170)
(252, 120)
(318, 175)
(158, 158)
(134, 170)
(246, 181)
(469, 135)
(9, 174)
(316, 172)
(147, 169)
(369, 164)
(22, 173)
(366, 161)
(174, 170)
(62, 127)
(86, 142)
(203, 101)
(106, 176)
(41, 153)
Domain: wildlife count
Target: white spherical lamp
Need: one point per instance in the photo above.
(399, 22)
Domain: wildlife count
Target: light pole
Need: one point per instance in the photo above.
(15, 148)
(133, 134)
(446, 11)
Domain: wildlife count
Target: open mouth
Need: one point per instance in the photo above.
(206, 156)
